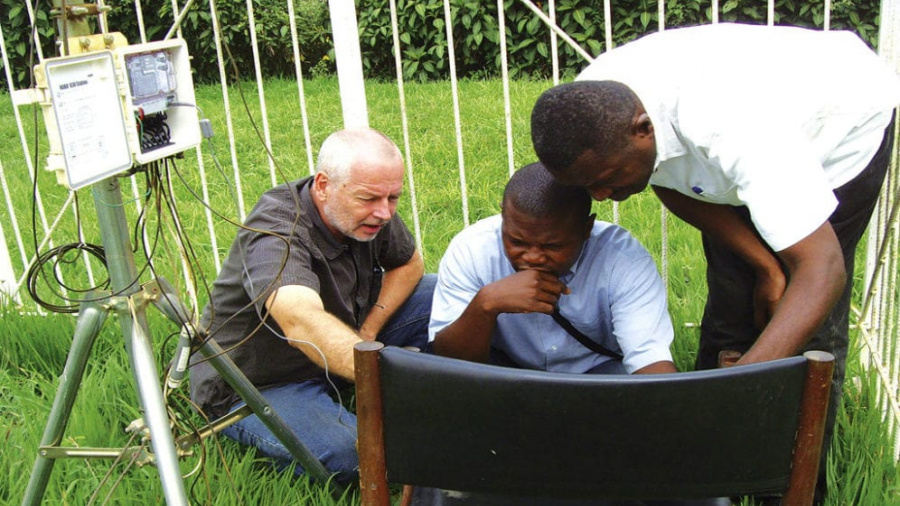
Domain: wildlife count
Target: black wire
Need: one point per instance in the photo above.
(209, 335)
(264, 313)
(56, 256)
(155, 132)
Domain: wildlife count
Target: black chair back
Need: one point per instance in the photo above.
(472, 427)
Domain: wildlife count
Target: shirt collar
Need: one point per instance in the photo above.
(567, 276)
(668, 142)
(664, 119)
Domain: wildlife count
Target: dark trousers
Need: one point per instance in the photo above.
(728, 317)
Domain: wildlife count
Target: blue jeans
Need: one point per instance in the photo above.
(311, 411)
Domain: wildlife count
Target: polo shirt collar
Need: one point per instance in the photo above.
(664, 119)
(668, 142)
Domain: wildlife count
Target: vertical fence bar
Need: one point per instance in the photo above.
(607, 23)
(201, 170)
(178, 230)
(661, 15)
(348, 59)
(663, 212)
(6, 193)
(301, 96)
(229, 124)
(12, 216)
(139, 14)
(261, 93)
(889, 49)
(34, 32)
(451, 56)
(504, 76)
(554, 49)
(398, 69)
(7, 275)
(888, 334)
(204, 189)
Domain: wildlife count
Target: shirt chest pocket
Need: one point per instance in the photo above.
(592, 321)
(695, 176)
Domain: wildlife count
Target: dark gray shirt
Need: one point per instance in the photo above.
(288, 245)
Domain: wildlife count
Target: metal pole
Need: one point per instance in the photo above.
(90, 320)
(124, 282)
(348, 59)
(7, 276)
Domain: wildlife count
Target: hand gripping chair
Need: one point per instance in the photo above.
(432, 421)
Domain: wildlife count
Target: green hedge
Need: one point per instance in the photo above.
(423, 33)
(424, 41)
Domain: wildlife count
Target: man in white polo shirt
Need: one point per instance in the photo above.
(772, 141)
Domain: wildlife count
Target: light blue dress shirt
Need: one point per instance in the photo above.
(617, 299)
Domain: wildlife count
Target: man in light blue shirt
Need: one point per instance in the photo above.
(502, 278)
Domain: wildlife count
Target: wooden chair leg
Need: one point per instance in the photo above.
(373, 486)
(406, 498)
(808, 448)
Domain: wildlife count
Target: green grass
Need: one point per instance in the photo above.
(33, 348)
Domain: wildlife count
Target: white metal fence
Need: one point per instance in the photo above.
(878, 317)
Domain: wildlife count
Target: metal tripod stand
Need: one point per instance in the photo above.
(128, 300)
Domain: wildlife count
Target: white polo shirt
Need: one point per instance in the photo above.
(773, 118)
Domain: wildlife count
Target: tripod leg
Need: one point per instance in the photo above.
(150, 394)
(223, 364)
(90, 320)
(169, 304)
